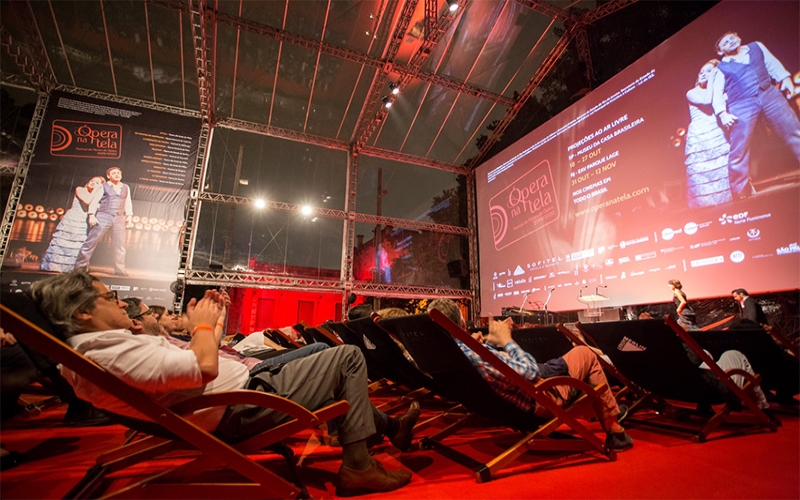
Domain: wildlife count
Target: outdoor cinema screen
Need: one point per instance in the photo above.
(683, 166)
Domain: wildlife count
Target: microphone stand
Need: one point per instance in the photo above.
(546, 314)
(522, 309)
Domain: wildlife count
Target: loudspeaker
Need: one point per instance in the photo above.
(457, 268)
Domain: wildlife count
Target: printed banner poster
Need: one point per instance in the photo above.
(107, 188)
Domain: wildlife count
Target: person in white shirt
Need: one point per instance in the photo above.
(94, 322)
(110, 209)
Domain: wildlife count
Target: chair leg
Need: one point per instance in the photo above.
(294, 475)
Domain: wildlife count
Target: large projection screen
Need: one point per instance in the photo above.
(629, 187)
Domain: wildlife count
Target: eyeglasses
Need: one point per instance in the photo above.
(143, 314)
(110, 296)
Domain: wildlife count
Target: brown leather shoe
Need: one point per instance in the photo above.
(372, 479)
(405, 429)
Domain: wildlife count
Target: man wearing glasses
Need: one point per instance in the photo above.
(92, 320)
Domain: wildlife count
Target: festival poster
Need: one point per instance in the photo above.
(107, 189)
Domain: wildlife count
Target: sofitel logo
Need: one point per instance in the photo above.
(86, 139)
(524, 207)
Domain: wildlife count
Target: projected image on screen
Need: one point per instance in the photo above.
(686, 166)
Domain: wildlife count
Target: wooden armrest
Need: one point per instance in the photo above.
(256, 398)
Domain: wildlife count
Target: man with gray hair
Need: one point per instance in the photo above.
(93, 321)
(580, 363)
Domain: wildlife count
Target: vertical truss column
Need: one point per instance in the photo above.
(26, 64)
(584, 52)
(472, 223)
(43, 77)
(348, 242)
(193, 210)
(203, 44)
(22, 172)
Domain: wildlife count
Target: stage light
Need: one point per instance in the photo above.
(306, 210)
(387, 103)
(259, 203)
(394, 88)
(453, 5)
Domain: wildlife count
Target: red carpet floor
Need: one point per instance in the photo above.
(761, 465)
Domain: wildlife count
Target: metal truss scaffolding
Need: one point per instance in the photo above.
(21, 173)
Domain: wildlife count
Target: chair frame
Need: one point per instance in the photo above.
(538, 436)
(214, 452)
(750, 415)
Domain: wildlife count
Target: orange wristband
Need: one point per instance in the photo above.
(201, 327)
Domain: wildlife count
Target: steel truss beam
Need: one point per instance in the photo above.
(437, 32)
(21, 172)
(533, 84)
(16, 81)
(8, 170)
(414, 160)
(128, 100)
(279, 282)
(584, 54)
(330, 213)
(203, 44)
(340, 52)
(348, 235)
(254, 280)
(43, 75)
(472, 221)
(26, 64)
(292, 135)
(366, 118)
(192, 211)
(408, 291)
(605, 9)
(544, 9)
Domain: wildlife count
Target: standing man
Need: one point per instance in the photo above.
(750, 308)
(109, 209)
(750, 73)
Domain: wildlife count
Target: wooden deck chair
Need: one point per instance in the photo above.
(376, 373)
(543, 342)
(282, 339)
(384, 353)
(778, 369)
(429, 339)
(322, 334)
(171, 430)
(628, 390)
(650, 354)
(305, 335)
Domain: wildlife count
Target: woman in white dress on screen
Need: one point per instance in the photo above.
(707, 148)
(71, 231)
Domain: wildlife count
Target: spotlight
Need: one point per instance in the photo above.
(259, 203)
(306, 210)
(394, 88)
(387, 103)
(453, 5)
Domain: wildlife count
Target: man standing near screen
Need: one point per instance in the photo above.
(110, 209)
(750, 73)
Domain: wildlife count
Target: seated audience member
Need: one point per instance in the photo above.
(360, 311)
(166, 318)
(579, 363)
(92, 320)
(727, 361)
(749, 308)
(144, 322)
(396, 312)
(20, 366)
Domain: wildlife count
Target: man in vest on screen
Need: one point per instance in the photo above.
(109, 210)
(751, 74)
